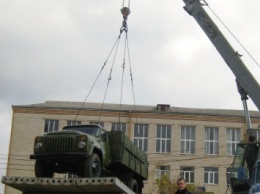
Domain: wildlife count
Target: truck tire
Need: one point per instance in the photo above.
(42, 170)
(92, 166)
(132, 184)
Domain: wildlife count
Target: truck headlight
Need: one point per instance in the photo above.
(38, 145)
(81, 144)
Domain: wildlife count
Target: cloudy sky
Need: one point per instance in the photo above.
(54, 50)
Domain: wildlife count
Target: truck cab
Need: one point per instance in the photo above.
(238, 173)
(255, 185)
(82, 150)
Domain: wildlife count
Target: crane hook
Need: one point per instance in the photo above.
(125, 12)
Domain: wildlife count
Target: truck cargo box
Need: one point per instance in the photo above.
(124, 152)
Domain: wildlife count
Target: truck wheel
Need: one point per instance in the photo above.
(92, 166)
(42, 170)
(132, 184)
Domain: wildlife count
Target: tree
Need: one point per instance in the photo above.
(165, 185)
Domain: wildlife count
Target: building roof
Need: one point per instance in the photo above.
(137, 108)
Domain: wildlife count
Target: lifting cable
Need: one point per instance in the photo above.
(126, 48)
(102, 68)
(126, 6)
(125, 12)
(232, 34)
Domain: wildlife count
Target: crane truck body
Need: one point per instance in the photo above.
(247, 85)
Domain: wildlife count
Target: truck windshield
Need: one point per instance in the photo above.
(239, 155)
(238, 159)
(91, 130)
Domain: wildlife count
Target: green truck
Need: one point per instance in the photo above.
(90, 151)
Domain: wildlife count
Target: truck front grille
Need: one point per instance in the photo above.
(58, 144)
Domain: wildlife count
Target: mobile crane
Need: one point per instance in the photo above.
(247, 85)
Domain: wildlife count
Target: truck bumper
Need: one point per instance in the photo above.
(65, 156)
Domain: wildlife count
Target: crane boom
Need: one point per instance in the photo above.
(243, 76)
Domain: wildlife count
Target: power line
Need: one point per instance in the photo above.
(235, 37)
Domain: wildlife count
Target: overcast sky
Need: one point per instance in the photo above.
(54, 50)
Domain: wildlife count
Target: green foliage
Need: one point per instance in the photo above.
(191, 187)
(165, 185)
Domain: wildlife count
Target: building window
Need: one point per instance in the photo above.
(187, 173)
(97, 123)
(141, 136)
(162, 170)
(163, 107)
(119, 127)
(211, 175)
(232, 139)
(73, 123)
(187, 140)
(163, 139)
(256, 133)
(51, 125)
(211, 140)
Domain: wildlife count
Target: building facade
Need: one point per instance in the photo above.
(196, 144)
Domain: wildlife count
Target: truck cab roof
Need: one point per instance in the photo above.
(94, 130)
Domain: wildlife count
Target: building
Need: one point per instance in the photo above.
(197, 144)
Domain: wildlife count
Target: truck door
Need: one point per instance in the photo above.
(232, 172)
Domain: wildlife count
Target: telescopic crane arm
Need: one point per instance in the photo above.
(245, 80)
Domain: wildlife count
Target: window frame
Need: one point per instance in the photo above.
(51, 125)
(161, 171)
(188, 173)
(211, 140)
(163, 142)
(187, 140)
(119, 127)
(233, 137)
(140, 137)
(211, 175)
(256, 133)
(73, 122)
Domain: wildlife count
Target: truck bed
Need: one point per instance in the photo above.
(124, 152)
